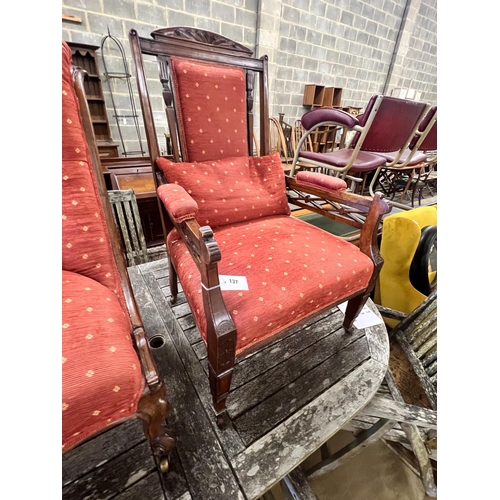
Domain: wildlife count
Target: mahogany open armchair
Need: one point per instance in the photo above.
(108, 373)
(226, 212)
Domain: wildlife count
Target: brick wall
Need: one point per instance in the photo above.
(363, 47)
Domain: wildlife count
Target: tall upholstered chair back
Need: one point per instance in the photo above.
(429, 141)
(211, 107)
(394, 123)
(86, 244)
(108, 373)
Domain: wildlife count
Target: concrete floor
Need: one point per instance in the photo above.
(375, 474)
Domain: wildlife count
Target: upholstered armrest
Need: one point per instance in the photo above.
(321, 181)
(178, 202)
(326, 115)
(345, 206)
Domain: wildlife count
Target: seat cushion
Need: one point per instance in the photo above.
(293, 269)
(101, 373)
(233, 189)
(340, 158)
(320, 181)
(417, 158)
(212, 103)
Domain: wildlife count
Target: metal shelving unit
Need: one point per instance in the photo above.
(124, 76)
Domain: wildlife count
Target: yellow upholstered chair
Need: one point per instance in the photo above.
(401, 235)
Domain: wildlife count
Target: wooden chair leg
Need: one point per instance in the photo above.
(172, 278)
(221, 354)
(354, 306)
(422, 458)
(153, 410)
(294, 486)
(221, 361)
(350, 450)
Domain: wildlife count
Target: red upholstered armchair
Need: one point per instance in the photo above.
(108, 373)
(226, 213)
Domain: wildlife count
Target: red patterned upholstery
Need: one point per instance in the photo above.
(321, 181)
(269, 253)
(211, 104)
(180, 205)
(86, 247)
(101, 374)
(253, 187)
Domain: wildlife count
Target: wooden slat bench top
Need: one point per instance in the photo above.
(285, 402)
(317, 378)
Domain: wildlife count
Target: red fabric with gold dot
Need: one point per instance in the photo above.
(179, 204)
(211, 104)
(293, 269)
(233, 189)
(321, 181)
(86, 246)
(101, 374)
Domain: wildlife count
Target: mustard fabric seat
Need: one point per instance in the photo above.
(400, 238)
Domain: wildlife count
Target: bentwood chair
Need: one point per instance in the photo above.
(226, 212)
(278, 143)
(388, 124)
(108, 373)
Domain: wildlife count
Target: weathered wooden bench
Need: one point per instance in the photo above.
(128, 222)
(404, 411)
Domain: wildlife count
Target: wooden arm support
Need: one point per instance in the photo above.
(147, 362)
(343, 202)
(221, 330)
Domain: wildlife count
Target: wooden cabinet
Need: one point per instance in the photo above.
(319, 96)
(84, 55)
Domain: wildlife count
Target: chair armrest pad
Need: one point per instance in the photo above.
(321, 181)
(335, 116)
(178, 202)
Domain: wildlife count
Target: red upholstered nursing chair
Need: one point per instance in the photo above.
(108, 373)
(226, 212)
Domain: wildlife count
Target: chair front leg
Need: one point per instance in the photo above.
(153, 408)
(221, 359)
(353, 308)
(172, 279)
(221, 330)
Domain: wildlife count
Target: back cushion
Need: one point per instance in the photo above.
(211, 105)
(233, 189)
(86, 246)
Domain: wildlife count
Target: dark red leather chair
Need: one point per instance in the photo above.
(416, 165)
(387, 125)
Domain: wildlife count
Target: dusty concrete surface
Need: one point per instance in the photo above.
(375, 474)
